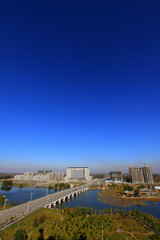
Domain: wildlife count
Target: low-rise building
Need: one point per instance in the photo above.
(108, 181)
(157, 188)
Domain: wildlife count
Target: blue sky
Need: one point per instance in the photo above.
(79, 85)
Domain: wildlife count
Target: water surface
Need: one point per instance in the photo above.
(89, 199)
(23, 195)
(86, 199)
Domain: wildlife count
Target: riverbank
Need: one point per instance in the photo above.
(94, 188)
(113, 197)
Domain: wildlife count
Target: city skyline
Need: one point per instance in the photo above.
(79, 85)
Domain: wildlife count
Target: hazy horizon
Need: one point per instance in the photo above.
(124, 170)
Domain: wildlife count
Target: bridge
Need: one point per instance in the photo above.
(11, 215)
(65, 197)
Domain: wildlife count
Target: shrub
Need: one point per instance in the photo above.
(20, 235)
(35, 223)
(136, 192)
(7, 185)
(38, 221)
(50, 187)
(128, 188)
(142, 186)
(42, 219)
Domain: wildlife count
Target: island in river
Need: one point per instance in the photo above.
(115, 196)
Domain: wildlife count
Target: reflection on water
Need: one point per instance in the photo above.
(86, 199)
(24, 194)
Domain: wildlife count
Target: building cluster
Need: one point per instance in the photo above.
(141, 175)
(137, 175)
(144, 192)
(39, 177)
(78, 173)
(73, 173)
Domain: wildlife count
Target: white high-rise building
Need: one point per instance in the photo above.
(81, 173)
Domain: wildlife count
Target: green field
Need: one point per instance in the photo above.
(85, 223)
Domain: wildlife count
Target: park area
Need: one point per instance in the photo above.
(84, 223)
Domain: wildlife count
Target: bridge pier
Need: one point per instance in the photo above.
(68, 197)
(73, 194)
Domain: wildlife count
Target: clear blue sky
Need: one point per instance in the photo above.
(79, 84)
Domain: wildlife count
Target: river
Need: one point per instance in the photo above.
(86, 199)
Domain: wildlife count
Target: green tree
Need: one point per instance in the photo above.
(50, 187)
(2, 199)
(56, 185)
(20, 235)
(136, 192)
(20, 186)
(7, 185)
(142, 186)
(83, 236)
(128, 188)
(41, 234)
(35, 223)
(68, 185)
(42, 219)
(61, 185)
(76, 236)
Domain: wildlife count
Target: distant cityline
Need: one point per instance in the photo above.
(136, 175)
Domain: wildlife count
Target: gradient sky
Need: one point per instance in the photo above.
(79, 85)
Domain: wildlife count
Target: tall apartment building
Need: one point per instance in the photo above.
(136, 175)
(141, 175)
(81, 173)
(116, 175)
(147, 173)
